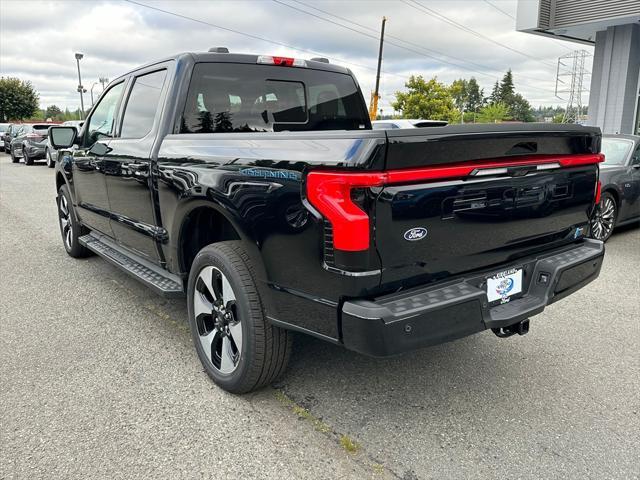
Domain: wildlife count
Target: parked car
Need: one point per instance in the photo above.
(620, 179)
(8, 136)
(255, 186)
(406, 123)
(50, 153)
(29, 142)
(3, 128)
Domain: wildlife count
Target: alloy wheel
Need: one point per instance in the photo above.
(65, 222)
(216, 316)
(603, 219)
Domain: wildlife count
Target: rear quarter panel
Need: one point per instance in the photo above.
(256, 181)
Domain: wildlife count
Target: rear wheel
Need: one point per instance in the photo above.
(603, 220)
(50, 162)
(14, 159)
(70, 228)
(238, 348)
(27, 159)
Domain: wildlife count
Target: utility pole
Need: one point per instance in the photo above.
(103, 81)
(375, 96)
(80, 87)
(570, 78)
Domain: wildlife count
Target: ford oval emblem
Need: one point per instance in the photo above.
(415, 234)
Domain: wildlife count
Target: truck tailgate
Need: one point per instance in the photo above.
(451, 208)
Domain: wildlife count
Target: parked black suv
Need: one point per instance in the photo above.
(256, 186)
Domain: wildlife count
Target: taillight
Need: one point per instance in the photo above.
(330, 194)
(598, 192)
(281, 61)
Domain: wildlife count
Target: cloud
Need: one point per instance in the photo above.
(118, 36)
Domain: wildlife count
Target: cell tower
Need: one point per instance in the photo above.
(570, 81)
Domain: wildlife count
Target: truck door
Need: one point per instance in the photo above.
(128, 165)
(88, 162)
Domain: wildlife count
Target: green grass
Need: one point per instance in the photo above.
(349, 445)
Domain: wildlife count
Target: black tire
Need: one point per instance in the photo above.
(70, 228)
(264, 349)
(50, 162)
(27, 159)
(604, 217)
(14, 159)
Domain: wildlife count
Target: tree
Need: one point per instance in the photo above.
(459, 93)
(494, 97)
(429, 100)
(506, 89)
(493, 113)
(475, 96)
(18, 99)
(53, 112)
(520, 109)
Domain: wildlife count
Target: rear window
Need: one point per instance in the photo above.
(229, 97)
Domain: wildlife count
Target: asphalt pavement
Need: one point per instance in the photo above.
(100, 380)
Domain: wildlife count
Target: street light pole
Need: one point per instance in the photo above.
(80, 88)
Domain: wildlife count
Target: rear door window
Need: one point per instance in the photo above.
(228, 97)
(142, 105)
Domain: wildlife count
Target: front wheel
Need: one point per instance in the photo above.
(14, 159)
(238, 348)
(70, 228)
(50, 162)
(604, 217)
(27, 159)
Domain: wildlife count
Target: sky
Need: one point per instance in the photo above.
(447, 39)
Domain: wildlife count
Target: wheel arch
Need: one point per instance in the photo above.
(201, 223)
(613, 191)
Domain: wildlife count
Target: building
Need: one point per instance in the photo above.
(613, 28)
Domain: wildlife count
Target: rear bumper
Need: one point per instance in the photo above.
(35, 150)
(428, 316)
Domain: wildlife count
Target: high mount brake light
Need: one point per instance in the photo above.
(281, 61)
(330, 192)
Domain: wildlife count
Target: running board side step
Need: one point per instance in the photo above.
(154, 277)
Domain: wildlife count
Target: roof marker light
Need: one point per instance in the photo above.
(281, 61)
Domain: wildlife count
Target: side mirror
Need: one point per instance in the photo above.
(62, 137)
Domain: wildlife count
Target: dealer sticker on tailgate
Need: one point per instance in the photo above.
(504, 285)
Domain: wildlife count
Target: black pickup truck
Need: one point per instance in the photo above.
(255, 186)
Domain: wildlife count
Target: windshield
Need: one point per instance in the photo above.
(4, 128)
(229, 97)
(616, 150)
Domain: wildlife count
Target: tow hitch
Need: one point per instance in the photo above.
(520, 328)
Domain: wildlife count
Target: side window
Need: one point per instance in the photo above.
(101, 121)
(142, 105)
(635, 158)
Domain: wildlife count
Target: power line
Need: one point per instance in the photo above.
(462, 67)
(256, 37)
(512, 17)
(499, 9)
(406, 41)
(432, 13)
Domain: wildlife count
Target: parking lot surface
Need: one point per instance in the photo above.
(100, 380)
